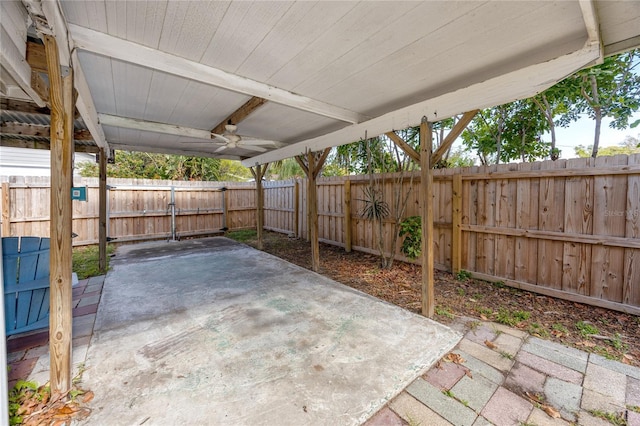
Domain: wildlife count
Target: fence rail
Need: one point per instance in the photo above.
(569, 228)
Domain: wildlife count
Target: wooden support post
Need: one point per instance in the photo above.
(6, 210)
(426, 206)
(296, 208)
(258, 174)
(347, 216)
(312, 202)
(456, 241)
(102, 212)
(60, 324)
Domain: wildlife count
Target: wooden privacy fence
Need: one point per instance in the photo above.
(137, 209)
(569, 228)
(566, 228)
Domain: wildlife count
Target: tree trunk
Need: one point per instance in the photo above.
(598, 114)
(552, 127)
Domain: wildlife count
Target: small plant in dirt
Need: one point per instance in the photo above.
(586, 329)
(633, 408)
(538, 330)
(499, 284)
(411, 230)
(560, 328)
(444, 312)
(510, 318)
(616, 342)
(484, 311)
(463, 275)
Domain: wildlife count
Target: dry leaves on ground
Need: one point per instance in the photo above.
(36, 406)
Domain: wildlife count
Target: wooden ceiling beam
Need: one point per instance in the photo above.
(153, 126)
(240, 114)
(123, 50)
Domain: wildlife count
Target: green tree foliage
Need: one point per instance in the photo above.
(285, 169)
(629, 146)
(513, 131)
(157, 166)
(508, 132)
(610, 90)
(234, 171)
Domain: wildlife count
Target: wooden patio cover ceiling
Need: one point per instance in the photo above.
(161, 76)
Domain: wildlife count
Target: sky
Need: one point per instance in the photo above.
(581, 133)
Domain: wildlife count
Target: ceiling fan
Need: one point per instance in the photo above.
(230, 140)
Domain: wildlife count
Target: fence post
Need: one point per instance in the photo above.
(6, 210)
(456, 241)
(296, 208)
(347, 216)
(225, 209)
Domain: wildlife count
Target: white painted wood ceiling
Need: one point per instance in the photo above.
(392, 62)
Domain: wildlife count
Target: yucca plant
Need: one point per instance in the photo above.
(375, 208)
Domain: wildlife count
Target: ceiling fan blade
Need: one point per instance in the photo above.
(252, 148)
(220, 137)
(247, 140)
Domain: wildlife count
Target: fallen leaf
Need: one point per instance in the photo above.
(66, 410)
(468, 373)
(484, 318)
(490, 344)
(626, 361)
(627, 356)
(455, 358)
(87, 397)
(551, 412)
(587, 344)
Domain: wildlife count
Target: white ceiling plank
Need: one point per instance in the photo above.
(340, 38)
(99, 77)
(203, 106)
(496, 91)
(191, 30)
(163, 92)
(300, 26)
(151, 126)
(244, 26)
(107, 45)
(132, 85)
(417, 70)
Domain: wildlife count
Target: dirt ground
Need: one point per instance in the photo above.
(612, 334)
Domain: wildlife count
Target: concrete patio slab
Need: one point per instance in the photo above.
(214, 332)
